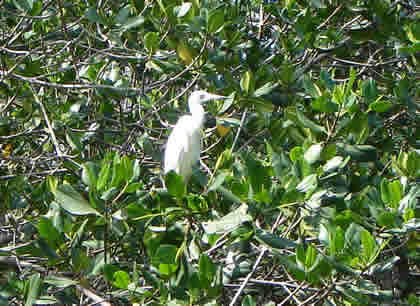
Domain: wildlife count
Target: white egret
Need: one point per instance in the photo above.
(184, 144)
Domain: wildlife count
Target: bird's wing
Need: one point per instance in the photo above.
(178, 146)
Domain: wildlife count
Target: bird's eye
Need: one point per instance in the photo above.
(202, 96)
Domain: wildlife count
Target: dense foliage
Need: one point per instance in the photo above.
(308, 191)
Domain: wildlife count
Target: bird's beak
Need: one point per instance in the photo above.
(216, 97)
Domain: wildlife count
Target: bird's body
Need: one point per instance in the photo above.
(184, 143)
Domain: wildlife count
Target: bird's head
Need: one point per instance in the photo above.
(200, 96)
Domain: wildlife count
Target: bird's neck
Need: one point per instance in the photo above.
(197, 112)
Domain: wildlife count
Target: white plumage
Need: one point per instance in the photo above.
(184, 144)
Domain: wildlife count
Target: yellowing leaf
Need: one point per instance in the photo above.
(222, 130)
(7, 150)
(184, 52)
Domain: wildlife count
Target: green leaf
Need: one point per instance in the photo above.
(368, 246)
(265, 89)
(273, 241)
(47, 230)
(380, 106)
(308, 123)
(132, 23)
(225, 160)
(227, 103)
(73, 202)
(313, 154)
(151, 41)
(248, 301)
(308, 183)
(60, 282)
(182, 10)
(337, 241)
(369, 90)
(229, 222)
(89, 174)
(300, 256)
(246, 82)
(352, 237)
(219, 180)
(387, 218)
(133, 187)
(103, 175)
(258, 174)
(228, 122)
(34, 286)
(361, 153)
(311, 88)
(324, 104)
(121, 279)
(391, 192)
(296, 154)
(333, 164)
(92, 15)
(229, 194)
(207, 271)
(175, 185)
(165, 259)
(126, 165)
(310, 258)
(24, 5)
(216, 21)
(117, 171)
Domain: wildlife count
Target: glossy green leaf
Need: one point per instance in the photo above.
(306, 122)
(92, 15)
(337, 241)
(369, 90)
(72, 201)
(34, 287)
(89, 174)
(182, 10)
(296, 154)
(151, 42)
(391, 192)
(218, 181)
(216, 21)
(380, 106)
(60, 282)
(313, 154)
(324, 104)
(265, 89)
(333, 164)
(273, 241)
(175, 184)
(121, 279)
(310, 258)
(207, 271)
(308, 183)
(133, 23)
(104, 175)
(229, 222)
(248, 301)
(165, 259)
(246, 82)
(47, 230)
(368, 246)
(361, 153)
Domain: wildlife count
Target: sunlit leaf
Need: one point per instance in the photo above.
(229, 222)
(72, 201)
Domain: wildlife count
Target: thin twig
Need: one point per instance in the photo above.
(240, 128)
(50, 129)
(248, 277)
